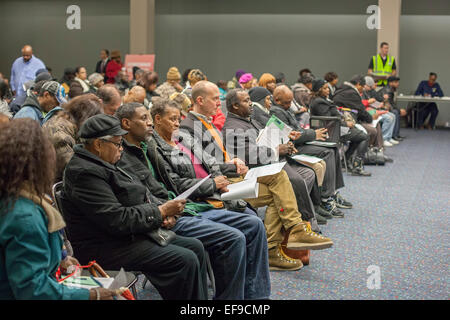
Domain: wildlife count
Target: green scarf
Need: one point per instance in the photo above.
(191, 208)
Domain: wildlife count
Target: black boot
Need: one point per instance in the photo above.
(358, 168)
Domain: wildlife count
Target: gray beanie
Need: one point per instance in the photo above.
(95, 78)
(369, 81)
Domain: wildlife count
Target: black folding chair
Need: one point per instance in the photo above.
(333, 125)
(131, 276)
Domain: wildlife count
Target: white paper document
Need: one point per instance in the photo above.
(306, 158)
(344, 131)
(266, 170)
(375, 122)
(275, 133)
(322, 143)
(247, 189)
(88, 282)
(376, 105)
(189, 191)
(119, 282)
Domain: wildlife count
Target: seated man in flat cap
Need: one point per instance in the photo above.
(110, 214)
(236, 243)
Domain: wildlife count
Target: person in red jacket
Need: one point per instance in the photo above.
(114, 66)
(219, 119)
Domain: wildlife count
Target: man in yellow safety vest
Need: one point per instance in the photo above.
(382, 65)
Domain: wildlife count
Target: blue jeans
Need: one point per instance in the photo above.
(396, 132)
(387, 125)
(237, 245)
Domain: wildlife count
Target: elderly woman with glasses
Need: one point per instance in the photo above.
(111, 217)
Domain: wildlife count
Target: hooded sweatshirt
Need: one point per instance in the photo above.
(31, 109)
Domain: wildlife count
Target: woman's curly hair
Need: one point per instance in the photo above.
(81, 108)
(27, 161)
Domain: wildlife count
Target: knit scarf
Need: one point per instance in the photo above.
(216, 137)
(55, 219)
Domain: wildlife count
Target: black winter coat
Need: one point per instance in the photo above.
(177, 170)
(348, 97)
(240, 139)
(103, 203)
(323, 107)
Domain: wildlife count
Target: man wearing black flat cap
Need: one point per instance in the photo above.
(110, 214)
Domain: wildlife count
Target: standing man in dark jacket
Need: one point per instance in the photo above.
(331, 199)
(110, 214)
(101, 65)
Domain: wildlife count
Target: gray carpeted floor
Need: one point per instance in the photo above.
(398, 226)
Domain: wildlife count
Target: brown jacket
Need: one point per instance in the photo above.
(62, 134)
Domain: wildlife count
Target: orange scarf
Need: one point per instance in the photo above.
(216, 137)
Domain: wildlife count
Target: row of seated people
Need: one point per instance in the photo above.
(120, 182)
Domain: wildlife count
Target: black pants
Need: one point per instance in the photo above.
(425, 109)
(178, 271)
(304, 183)
(333, 179)
(359, 142)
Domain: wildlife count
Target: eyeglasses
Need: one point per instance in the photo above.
(118, 145)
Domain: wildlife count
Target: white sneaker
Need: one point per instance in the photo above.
(387, 144)
(392, 141)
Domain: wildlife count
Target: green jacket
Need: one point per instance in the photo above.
(30, 256)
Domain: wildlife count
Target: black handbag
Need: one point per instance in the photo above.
(374, 156)
(162, 236)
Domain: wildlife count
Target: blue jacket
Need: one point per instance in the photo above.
(31, 109)
(434, 91)
(30, 256)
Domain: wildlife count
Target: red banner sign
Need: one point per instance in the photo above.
(142, 61)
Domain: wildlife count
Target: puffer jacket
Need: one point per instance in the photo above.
(349, 97)
(62, 134)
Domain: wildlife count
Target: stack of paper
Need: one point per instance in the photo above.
(376, 105)
(88, 282)
(249, 188)
(306, 158)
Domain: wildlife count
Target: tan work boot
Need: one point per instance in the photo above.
(302, 237)
(278, 260)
